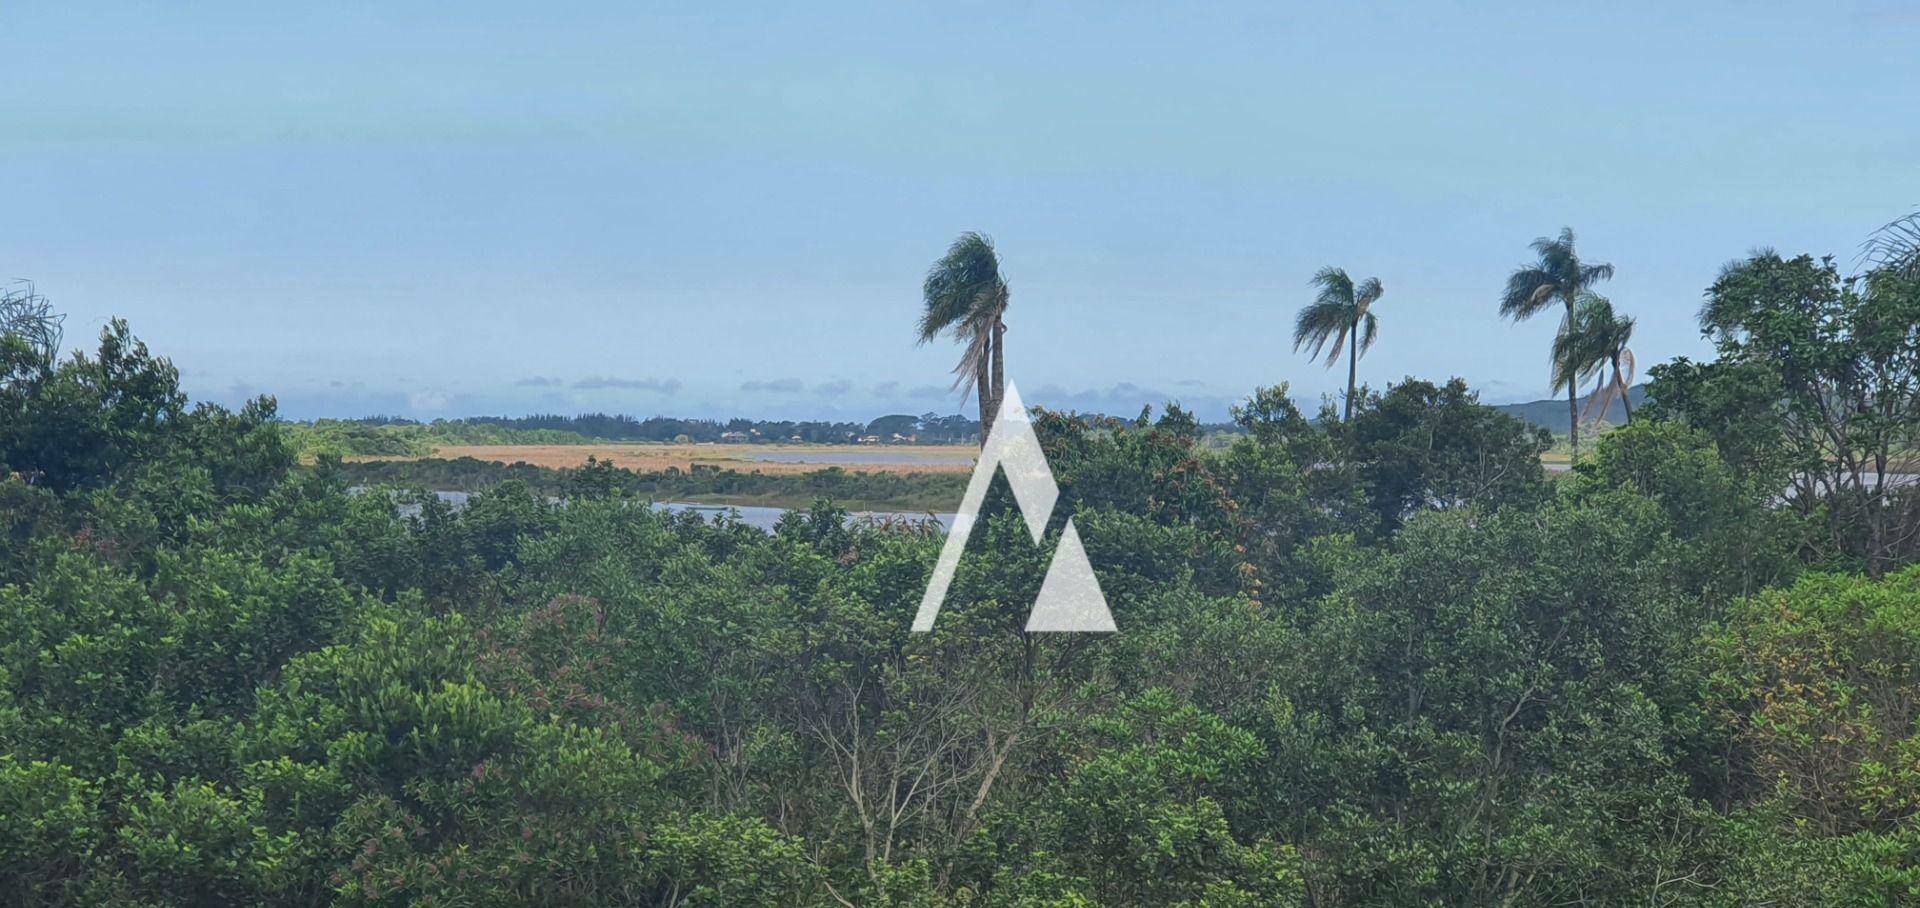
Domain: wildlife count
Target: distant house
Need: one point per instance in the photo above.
(869, 439)
(733, 438)
(899, 439)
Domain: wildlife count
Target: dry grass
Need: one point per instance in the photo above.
(647, 458)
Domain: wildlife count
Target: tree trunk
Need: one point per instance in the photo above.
(983, 390)
(1353, 366)
(1573, 395)
(1625, 392)
(999, 367)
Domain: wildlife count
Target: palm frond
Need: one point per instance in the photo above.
(1367, 292)
(979, 346)
(1335, 286)
(25, 314)
(961, 281)
(1338, 346)
(1319, 322)
(1369, 332)
(1895, 247)
(1558, 272)
(1528, 291)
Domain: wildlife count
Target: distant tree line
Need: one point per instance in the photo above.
(866, 491)
(927, 428)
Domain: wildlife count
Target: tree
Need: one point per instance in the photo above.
(84, 422)
(1423, 446)
(1895, 247)
(1596, 340)
(1846, 356)
(27, 315)
(1557, 275)
(966, 296)
(1339, 314)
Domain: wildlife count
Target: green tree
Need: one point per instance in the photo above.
(1560, 275)
(1423, 446)
(1339, 316)
(1846, 357)
(86, 421)
(966, 296)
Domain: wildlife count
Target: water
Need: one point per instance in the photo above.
(752, 515)
(764, 517)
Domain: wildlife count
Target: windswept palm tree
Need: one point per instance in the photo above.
(1895, 247)
(966, 297)
(1339, 317)
(1595, 342)
(1558, 275)
(27, 315)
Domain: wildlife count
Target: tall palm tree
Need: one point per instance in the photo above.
(966, 297)
(1340, 315)
(1596, 342)
(1558, 275)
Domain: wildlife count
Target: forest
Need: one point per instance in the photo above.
(1379, 657)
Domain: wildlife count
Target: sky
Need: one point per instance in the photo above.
(704, 209)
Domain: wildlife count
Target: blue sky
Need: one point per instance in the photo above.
(725, 209)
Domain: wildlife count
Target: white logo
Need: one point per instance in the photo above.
(1070, 597)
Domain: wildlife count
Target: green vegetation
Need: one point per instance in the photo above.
(1381, 660)
(344, 438)
(387, 437)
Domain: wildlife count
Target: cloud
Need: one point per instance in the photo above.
(886, 388)
(538, 381)
(777, 385)
(1126, 398)
(597, 382)
(834, 388)
(929, 392)
(427, 400)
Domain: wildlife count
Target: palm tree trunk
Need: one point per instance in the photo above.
(1625, 392)
(1573, 407)
(984, 391)
(1353, 365)
(999, 366)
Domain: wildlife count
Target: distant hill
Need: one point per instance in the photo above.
(1552, 414)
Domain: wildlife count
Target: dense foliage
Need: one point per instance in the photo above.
(1382, 661)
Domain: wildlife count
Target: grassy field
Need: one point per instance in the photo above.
(650, 458)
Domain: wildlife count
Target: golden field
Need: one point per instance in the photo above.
(641, 457)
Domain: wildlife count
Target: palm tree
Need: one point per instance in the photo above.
(966, 296)
(1558, 275)
(27, 315)
(1596, 341)
(1339, 314)
(1895, 247)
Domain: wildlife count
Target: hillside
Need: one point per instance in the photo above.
(1552, 413)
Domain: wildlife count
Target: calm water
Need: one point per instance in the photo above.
(752, 515)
